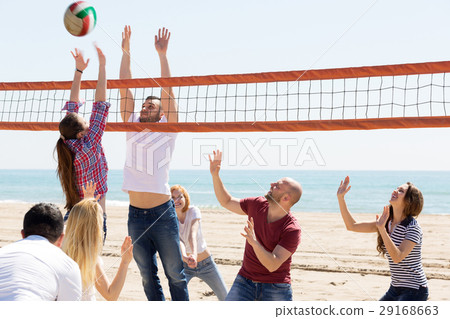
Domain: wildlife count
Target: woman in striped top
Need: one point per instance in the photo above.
(399, 237)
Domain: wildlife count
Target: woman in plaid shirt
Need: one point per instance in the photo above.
(80, 153)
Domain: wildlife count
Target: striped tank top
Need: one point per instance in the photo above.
(409, 272)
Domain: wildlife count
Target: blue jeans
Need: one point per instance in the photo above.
(156, 230)
(207, 271)
(405, 294)
(244, 289)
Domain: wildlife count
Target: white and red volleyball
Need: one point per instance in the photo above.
(80, 18)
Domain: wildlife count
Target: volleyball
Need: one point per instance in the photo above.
(80, 18)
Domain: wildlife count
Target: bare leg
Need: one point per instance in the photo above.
(102, 203)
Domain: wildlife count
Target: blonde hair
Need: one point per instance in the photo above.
(83, 239)
(183, 191)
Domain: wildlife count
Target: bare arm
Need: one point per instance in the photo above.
(100, 91)
(272, 260)
(224, 198)
(111, 291)
(183, 251)
(397, 253)
(126, 96)
(193, 234)
(350, 223)
(81, 65)
(168, 103)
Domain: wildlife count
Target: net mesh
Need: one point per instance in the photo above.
(252, 98)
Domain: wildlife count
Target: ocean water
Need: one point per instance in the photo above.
(370, 191)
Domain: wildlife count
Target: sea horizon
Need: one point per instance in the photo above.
(371, 189)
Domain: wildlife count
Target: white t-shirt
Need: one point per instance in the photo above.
(192, 214)
(35, 269)
(148, 160)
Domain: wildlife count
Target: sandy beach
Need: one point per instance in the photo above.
(331, 263)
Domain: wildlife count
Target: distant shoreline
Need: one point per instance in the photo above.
(370, 189)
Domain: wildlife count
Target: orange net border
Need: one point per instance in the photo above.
(312, 125)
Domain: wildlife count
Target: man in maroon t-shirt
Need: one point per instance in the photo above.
(272, 234)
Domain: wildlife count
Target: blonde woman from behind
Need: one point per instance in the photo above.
(83, 242)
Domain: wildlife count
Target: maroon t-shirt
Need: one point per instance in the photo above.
(284, 232)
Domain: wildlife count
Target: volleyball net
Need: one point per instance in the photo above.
(377, 97)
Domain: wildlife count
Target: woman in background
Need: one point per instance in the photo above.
(197, 259)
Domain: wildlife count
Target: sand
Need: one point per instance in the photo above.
(331, 263)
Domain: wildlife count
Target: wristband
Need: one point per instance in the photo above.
(79, 71)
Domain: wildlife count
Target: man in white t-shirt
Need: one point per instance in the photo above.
(35, 268)
(152, 220)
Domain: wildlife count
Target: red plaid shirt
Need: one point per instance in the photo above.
(89, 161)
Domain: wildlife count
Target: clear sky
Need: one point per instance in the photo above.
(217, 37)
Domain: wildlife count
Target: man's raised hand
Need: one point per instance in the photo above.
(162, 41)
(214, 164)
(249, 232)
(126, 34)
